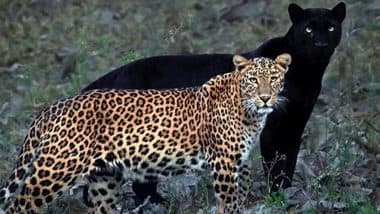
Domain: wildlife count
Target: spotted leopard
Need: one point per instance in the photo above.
(109, 136)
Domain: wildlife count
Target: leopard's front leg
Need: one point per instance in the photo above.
(232, 183)
(225, 185)
(244, 182)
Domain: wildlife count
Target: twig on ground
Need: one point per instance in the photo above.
(137, 209)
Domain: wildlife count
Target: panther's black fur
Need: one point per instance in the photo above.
(311, 40)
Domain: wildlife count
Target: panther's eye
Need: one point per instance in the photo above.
(308, 30)
(253, 79)
(273, 79)
(331, 28)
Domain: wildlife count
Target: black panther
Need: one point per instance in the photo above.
(311, 41)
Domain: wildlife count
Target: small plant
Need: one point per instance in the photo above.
(104, 43)
(311, 211)
(36, 95)
(276, 199)
(131, 56)
(78, 77)
(357, 205)
(6, 138)
(172, 209)
(203, 192)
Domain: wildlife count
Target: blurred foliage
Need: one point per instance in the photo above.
(50, 49)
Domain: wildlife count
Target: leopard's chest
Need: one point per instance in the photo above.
(251, 134)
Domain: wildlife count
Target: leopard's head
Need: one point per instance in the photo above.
(261, 79)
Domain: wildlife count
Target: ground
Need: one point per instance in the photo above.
(50, 49)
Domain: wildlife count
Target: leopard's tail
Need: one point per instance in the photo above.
(24, 165)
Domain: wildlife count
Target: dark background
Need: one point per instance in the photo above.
(50, 49)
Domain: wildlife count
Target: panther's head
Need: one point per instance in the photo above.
(261, 79)
(315, 32)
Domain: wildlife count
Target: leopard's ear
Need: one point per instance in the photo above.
(239, 61)
(284, 61)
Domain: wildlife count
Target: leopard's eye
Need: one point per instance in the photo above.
(273, 79)
(308, 30)
(331, 28)
(253, 79)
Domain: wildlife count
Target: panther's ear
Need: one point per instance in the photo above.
(339, 12)
(295, 12)
(239, 61)
(284, 61)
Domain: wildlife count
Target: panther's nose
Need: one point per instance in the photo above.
(265, 98)
(321, 44)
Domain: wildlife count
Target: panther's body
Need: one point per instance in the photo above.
(108, 136)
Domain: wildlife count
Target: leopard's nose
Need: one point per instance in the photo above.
(265, 98)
